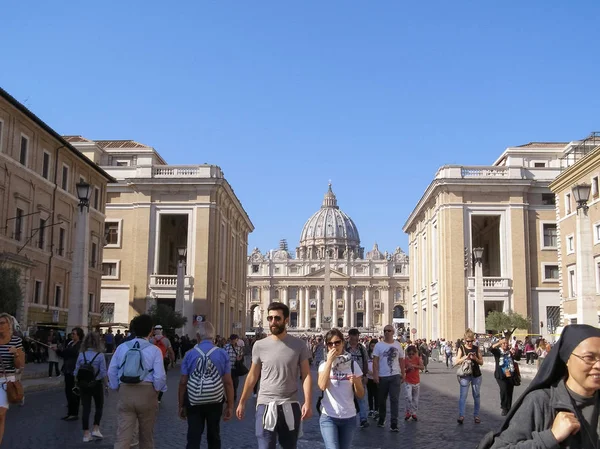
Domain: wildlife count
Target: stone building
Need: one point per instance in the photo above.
(578, 239)
(330, 281)
(507, 211)
(38, 215)
(154, 212)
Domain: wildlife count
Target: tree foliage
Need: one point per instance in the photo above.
(166, 317)
(11, 294)
(500, 321)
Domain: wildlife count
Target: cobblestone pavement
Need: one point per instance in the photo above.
(37, 423)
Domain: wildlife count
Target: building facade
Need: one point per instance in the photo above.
(38, 215)
(155, 210)
(505, 209)
(330, 281)
(579, 232)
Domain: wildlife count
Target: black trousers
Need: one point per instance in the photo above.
(50, 365)
(236, 383)
(199, 417)
(166, 363)
(72, 398)
(97, 394)
(506, 392)
(372, 391)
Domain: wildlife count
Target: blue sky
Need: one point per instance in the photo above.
(285, 96)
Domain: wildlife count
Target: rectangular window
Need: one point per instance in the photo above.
(595, 187)
(550, 235)
(110, 269)
(398, 269)
(1, 129)
(37, 292)
(65, 178)
(539, 164)
(122, 163)
(90, 302)
(570, 244)
(42, 234)
(596, 233)
(255, 268)
(23, 152)
(567, 204)
(548, 199)
(94, 255)
(58, 296)
(107, 310)
(96, 201)
(61, 241)
(19, 222)
(550, 272)
(223, 252)
(572, 283)
(46, 166)
(112, 232)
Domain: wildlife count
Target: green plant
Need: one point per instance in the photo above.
(500, 321)
(10, 290)
(167, 317)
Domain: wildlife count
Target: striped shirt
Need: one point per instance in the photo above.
(8, 359)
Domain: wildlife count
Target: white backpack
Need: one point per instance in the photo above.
(205, 385)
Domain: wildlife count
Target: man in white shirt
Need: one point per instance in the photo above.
(138, 398)
(388, 372)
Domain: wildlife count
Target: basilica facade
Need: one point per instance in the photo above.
(330, 281)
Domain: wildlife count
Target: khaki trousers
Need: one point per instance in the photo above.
(138, 403)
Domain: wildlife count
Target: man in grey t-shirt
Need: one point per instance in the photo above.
(278, 360)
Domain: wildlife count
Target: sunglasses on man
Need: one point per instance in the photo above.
(274, 318)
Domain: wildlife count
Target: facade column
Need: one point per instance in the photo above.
(587, 311)
(319, 309)
(78, 284)
(307, 308)
(368, 309)
(386, 305)
(334, 311)
(300, 307)
(284, 293)
(352, 308)
(346, 307)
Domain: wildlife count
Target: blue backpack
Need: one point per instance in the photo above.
(132, 369)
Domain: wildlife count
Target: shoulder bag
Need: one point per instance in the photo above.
(14, 390)
(466, 367)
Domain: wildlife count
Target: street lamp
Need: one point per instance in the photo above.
(479, 311)
(84, 191)
(478, 255)
(179, 292)
(581, 193)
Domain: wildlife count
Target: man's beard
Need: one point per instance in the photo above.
(277, 329)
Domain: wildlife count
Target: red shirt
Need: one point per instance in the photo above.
(413, 375)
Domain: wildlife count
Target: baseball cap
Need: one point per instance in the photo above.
(158, 326)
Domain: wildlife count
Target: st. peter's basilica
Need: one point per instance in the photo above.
(329, 281)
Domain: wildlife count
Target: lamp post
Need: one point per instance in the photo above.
(587, 312)
(179, 292)
(479, 311)
(78, 286)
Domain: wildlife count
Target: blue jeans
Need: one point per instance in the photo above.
(363, 407)
(337, 432)
(267, 439)
(475, 383)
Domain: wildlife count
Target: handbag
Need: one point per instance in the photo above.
(14, 389)
(516, 378)
(240, 369)
(465, 368)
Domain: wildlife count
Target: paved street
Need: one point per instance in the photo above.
(37, 424)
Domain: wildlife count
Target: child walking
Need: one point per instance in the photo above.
(414, 364)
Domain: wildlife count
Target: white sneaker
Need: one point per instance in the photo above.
(87, 438)
(135, 443)
(97, 434)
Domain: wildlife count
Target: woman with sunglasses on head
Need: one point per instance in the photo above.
(12, 358)
(340, 379)
(469, 352)
(560, 407)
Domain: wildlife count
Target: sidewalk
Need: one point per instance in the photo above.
(527, 371)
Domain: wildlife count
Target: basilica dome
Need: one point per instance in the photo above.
(329, 229)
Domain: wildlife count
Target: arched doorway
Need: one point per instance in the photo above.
(313, 323)
(254, 316)
(340, 322)
(399, 312)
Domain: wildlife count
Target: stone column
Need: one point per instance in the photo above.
(352, 308)
(307, 308)
(346, 307)
(300, 302)
(334, 311)
(386, 317)
(587, 312)
(368, 309)
(319, 308)
(78, 287)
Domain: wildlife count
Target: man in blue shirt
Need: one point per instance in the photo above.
(209, 414)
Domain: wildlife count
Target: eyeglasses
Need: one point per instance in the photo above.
(388, 330)
(468, 341)
(334, 343)
(588, 359)
(274, 318)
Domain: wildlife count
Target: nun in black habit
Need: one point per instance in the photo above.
(560, 407)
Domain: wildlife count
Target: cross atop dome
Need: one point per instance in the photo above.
(330, 199)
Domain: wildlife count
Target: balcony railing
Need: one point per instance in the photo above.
(492, 282)
(167, 281)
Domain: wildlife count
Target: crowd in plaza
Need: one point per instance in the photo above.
(357, 376)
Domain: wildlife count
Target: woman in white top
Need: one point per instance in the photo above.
(340, 379)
